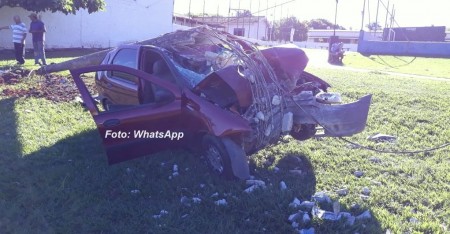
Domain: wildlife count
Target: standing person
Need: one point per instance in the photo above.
(37, 30)
(19, 31)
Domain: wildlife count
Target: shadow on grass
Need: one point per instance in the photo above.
(69, 188)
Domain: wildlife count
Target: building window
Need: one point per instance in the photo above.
(239, 32)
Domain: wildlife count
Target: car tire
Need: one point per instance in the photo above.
(303, 132)
(217, 156)
(106, 104)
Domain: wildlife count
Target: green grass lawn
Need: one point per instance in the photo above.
(435, 67)
(54, 176)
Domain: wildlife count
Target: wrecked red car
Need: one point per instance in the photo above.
(202, 88)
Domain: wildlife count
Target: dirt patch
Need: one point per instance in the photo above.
(52, 87)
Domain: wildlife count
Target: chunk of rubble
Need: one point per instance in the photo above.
(296, 172)
(293, 217)
(377, 183)
(135, 191)
(221, 202)
(342, 192)
(260, 116)
(307, 231)
(276, 169)
(321, 197)
(307, 205)
(365, 191)
(295, 224)
(287, 122)
(365, 215)
(295, 203)
(216, 194)
(283, 185)
(364, 197)
(196, 200)
(358, 174)
(161, 213)
(375, 160)
(252, 188)
(255, 182)
(276, 100)
(413, 220)
(382, 138)
(185, 201)
(306, 219)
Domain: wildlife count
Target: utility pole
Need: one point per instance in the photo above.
(335, 18)
(363, 11)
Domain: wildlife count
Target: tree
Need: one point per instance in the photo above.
(373, 26)
(283, 29)
(64, 6)
(322, 24)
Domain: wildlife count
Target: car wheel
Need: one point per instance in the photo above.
(303, 132)
(106, 104)
(217, 156)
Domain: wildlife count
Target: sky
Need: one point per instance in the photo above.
(408, 13)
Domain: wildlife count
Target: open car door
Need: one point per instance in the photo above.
(135, 130)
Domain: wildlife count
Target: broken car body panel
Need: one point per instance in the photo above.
(205, 82)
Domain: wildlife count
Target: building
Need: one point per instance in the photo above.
(256, 27)
(345, 36)
(122, 21)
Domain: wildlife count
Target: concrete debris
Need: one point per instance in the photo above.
(253, 188)
(342, 192)
(414, 220)
(276, 100)
(283, 185)
(353, 146)
(255, 182)
(185, 201)
(161, 213)
(306, 219)
(202, 185)
(276, 169)
(307, 231)
(216, 194)
(296, 172)
(336, 207)
(221, 202)
(287, 122)
(364, 197)
(358, 174)
(321, 197)
(175, 168)
(295, 203)
(78, 99)
(128, 170)
(307, 205)
(269, 130)
(260, 116)
(382, 138)
(196, 200)
(375, 160)
(295, 224)
(365, 215)
(175, 174)
(377, 183)
(294, 217)
(135, 191)
(184, 216)
(365, 191)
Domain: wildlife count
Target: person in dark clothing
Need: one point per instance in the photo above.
(37, 30)
(19, 31)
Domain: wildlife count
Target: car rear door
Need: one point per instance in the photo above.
(137, 130)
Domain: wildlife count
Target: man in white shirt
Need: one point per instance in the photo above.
(19, 31)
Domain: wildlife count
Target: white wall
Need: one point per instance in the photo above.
(122, 21)
(254, 31)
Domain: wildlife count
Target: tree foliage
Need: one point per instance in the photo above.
(373, 26)
(65, 6)
(322, 24)
(283, 29)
